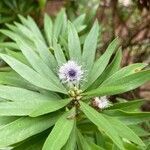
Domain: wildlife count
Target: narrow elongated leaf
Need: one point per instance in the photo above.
(23, 128)
(102, 123)
(39, 41)
(89, 47)
(37, 63)
(79, 23)
(73, 43)
(111, 69)
(31, 108)
(58, 24)
(10, 45)
(6, 120)
(82, 143)
(24, 30)
(49, 107)
(122, 85)
(128, 106)
(33, 143)
(20, 95)
(18, 55)
(60, 133)
(17, 108)
(12, 78)
(45, 53)
(34, 28)
(30, 75)
(101, 63)
(48, 29)
(124, 131)
(129, 118)
(131, 69)
(59, 54)
(71, 143)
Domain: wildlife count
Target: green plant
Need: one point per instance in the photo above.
(52, 98)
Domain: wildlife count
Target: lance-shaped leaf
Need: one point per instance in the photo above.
(73, 43)
(128, 105)
(129, 117)
(23, 128)
(30, 75)
(90, 46)
(37, 63)
(58, 52)
(49, 107)
(122, 85)
(48, 29)
(124, 131)
(79, 23)
(101, 63)
(12, 78)
(71, 143)
(17, 94)
(128, 70)
(111, 69)
(61, 131)
(102, 123)
(81, 141)
(59, 23)
(31, 108)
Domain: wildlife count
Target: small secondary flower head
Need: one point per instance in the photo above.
(70, 73)
(101, 102)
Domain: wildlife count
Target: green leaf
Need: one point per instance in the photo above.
(82, 141)
(18, 108)
(124, 131)
(30, 75)
(10, 45)
(129, 118)
(12, 78)
(128, 70)
(37, 63)
(128, 106)
(23, 128)
(33, 143)
(102, 123)
(18, 55)
(89, 47)
(31, 108)
(60, 133)
(49, 106)
(34, 28)
(79, 23)
(59, 23)
(71, 143)
(59, 54)
(101, 63)
(111, 69)
(20, 95)
(48, 29)
(45, 53)
(73, 43)
(122, 85)
(139, 130)
(6, 120)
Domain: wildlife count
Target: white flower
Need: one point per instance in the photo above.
(125, 3)
(70, 73)
(101, 102)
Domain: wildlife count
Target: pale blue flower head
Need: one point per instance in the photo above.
(71, 73)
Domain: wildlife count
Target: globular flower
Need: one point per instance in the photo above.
(71, 73)
(101, 102)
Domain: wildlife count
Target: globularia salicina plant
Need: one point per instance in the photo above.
(55, 94)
